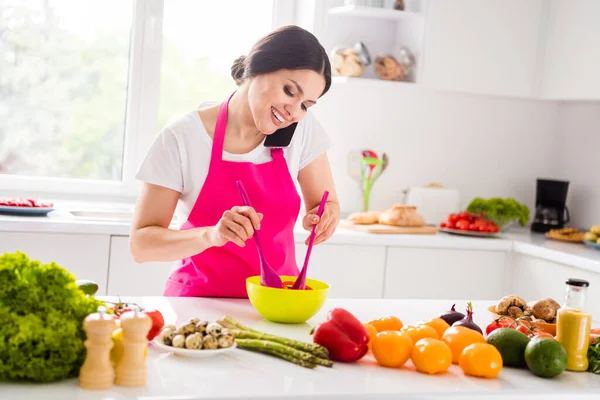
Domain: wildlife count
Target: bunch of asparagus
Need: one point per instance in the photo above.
(307, 355)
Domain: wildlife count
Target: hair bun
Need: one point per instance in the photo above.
(237, 70)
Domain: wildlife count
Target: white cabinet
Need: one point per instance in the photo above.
(428, 273)
(351, 271)
(534, 278)
(482, 46)
(128, 278)
(572, 58)
(85, 256)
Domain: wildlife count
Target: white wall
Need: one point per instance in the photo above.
(481, 145)
(577, 159)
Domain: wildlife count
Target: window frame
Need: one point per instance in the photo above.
(142, 107)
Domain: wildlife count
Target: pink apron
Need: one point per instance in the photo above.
(222, 271)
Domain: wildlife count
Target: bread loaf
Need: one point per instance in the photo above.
(401, 215)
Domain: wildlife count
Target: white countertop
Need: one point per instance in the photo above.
(519, 240)
(244, 375)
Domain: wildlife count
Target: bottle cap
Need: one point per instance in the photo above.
(577, 282)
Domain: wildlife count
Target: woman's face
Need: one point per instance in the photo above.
(282, 97)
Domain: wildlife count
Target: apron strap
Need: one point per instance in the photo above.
(277, 154)
(219, 135)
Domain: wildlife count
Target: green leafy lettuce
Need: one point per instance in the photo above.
(42, 312)
(501, 211)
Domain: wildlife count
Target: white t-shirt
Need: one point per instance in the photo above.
(180, 155)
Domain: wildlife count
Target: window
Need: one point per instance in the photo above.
(63, 87)
(86, 86)
(199, 48)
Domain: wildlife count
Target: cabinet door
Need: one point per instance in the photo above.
(351, 271)
(128, 278)
(534, 278)
(482, 46)
(572, 58)
(85, 256)
(425, 273)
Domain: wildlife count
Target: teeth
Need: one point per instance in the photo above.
(277, 115)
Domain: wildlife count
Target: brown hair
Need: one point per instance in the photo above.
(288, 47)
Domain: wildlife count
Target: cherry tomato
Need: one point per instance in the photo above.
(492, 327)
(493, 228)
(443, 225)
(462, 225)
(157, 323)
(450, 225)
(453, 218)
(542, 335)
(523, 329)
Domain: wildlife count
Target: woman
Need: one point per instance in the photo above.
(199, 157)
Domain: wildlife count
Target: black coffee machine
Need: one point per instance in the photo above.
(551, 211)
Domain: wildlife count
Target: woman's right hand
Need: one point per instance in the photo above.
(236, 225)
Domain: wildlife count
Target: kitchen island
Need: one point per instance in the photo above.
(241, 374)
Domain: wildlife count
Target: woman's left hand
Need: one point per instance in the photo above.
(325, 225)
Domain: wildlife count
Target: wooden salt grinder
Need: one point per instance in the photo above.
(97, 372)
(131, 370)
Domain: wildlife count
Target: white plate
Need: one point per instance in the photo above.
(592, 244)
(202, 353)
(35, 211)
(470, 233)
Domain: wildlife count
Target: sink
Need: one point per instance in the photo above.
(112, 215)
(103, 214)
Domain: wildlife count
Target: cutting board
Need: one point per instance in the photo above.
(378, 228)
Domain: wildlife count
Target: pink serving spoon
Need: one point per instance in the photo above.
(268, 277)
(300, 283)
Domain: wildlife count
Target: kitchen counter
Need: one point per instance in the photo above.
(518, 240)
(244, 375)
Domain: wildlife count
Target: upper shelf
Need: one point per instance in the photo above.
(373, 12)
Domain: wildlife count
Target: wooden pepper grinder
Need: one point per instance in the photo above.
(97, 372)
(131, 370)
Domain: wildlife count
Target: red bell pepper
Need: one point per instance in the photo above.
(343, 335)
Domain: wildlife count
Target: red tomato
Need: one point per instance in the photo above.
(483, 228)
(452, 218)
(462, 225)
(493, 228)
(157, 323)
(472, 227)
(450, 225)
(524, 329)
(443, 225)
(492, 327)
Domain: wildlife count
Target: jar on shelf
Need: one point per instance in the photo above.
(392, 68)
(350, 61)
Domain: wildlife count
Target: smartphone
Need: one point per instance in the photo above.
(281, 137)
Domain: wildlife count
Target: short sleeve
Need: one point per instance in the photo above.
(162, 164)
(315, 141)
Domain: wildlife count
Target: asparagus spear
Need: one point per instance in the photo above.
(244, 332)
(287, 357)
(266, 345)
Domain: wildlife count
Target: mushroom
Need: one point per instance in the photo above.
(167, 335)
(225, 338)
(544, 309)
(179, 341)
(509, 301)
(187, 328)
(210, 342)
(201, 327)
(514, 312)
(213, 329)
(194, 341)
